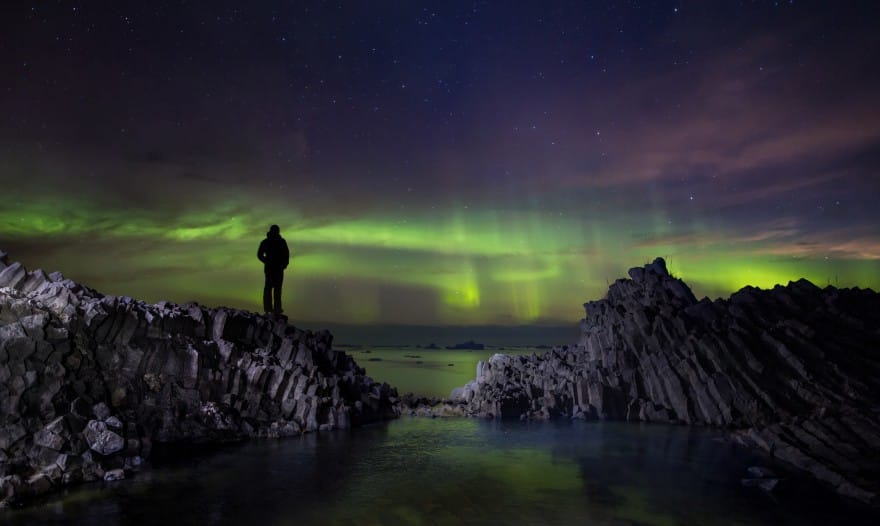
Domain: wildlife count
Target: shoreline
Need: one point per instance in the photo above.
(107, 377)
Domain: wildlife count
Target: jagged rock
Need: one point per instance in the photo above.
(53, 435)
(12, 275)
(794, 371)
(431, 407)
(113, 423)
(89, 383)
(114, 474)
(101, 440)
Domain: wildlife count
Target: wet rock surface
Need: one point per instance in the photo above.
(793, 371)
(89, 383)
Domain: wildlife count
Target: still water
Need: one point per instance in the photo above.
(420, 471)
(458, 471)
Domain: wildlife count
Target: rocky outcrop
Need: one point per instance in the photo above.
(89, 383)
(413, 405)
(794, 371)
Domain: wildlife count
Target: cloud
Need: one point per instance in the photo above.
(728, 116)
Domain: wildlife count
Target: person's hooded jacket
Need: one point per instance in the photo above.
(273, 251)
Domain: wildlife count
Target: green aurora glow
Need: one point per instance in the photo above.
(498, 164)
(457, 267)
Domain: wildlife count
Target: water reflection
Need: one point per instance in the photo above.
(425, 472)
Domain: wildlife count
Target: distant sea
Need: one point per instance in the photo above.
(426, 372)
(494, 335)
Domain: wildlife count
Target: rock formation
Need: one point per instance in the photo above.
(90, 383)
(794, 371)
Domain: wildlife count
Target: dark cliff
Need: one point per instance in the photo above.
(794, 371)
(89, 384)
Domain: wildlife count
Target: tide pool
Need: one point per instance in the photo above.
(420, 471)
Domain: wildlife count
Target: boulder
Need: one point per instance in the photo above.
(53, 435)
(101, 440)
(114, 474)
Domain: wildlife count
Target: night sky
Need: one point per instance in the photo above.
(451, 163)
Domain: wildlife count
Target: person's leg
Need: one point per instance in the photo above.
(278, 283)
(267, 294)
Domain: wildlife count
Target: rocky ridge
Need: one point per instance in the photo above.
(793, 371)
(89, 383)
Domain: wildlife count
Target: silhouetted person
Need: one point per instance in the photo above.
(274, 254)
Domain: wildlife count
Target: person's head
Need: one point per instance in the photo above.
(273, 231)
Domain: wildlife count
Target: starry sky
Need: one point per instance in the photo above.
(442, 163)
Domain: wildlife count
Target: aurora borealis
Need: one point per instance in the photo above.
(449, 163)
